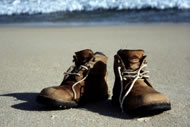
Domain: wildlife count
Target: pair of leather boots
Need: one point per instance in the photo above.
(86, 81)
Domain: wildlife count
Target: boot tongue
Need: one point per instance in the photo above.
(131, 58)
(83, 56)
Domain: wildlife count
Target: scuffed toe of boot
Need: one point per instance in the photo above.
(53, 97)
(149, 104)
(156, 103)
(148, 110)
(49, 102)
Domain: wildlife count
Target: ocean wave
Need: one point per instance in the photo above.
(10, 7)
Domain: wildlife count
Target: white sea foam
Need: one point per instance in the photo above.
(9, 7)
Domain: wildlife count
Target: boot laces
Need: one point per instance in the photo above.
(134, 75)
(76, 73)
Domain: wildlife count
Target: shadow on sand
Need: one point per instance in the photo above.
(29, 103)
(103, 107)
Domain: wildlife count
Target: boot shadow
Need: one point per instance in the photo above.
(101, 107)
(29, 102)
(106, 108)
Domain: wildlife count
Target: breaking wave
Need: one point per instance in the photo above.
(10, 7)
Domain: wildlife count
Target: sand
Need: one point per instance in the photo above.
(32, 58)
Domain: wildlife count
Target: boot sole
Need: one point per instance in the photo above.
(55, 104)
(149, 110)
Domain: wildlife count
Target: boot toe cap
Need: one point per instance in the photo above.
(154, 98)
(47, 91)
(56, 97)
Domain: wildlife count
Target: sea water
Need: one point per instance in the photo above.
(76, 12)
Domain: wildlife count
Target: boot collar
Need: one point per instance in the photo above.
(82, 57)
(132, 59)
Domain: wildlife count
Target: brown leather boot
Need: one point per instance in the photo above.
(132, 91)
(85, 81)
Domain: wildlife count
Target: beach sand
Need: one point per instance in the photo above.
(32, 58)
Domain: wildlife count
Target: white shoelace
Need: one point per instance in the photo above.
(77, 74)
(135, 75)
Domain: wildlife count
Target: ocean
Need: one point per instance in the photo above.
(94, 12)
